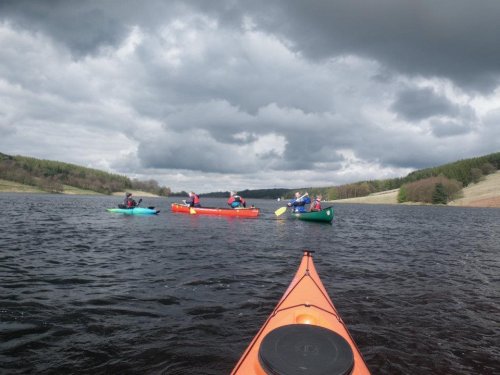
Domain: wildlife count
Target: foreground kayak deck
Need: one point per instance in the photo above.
(134, 211)
(237, 212)
(325, 215)
(303, 335)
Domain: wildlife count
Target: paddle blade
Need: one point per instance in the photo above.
(192, 211)
(280, 211)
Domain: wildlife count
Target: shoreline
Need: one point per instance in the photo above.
(7, 186)
(485, 193)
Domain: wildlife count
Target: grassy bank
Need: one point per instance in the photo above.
(14, 187)
(485, 193)
(137, 193)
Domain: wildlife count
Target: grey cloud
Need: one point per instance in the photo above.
(192, 152)
(449, 128)
(310, 80)
(414, 104)
(402, 149)
(82, 26)
(455, 39)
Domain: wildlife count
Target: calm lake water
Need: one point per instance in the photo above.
(86, 291)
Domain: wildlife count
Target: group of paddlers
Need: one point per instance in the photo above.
(298, 203)
(234, 201)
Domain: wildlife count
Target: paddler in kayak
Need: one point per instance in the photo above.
(298, 203)
(194, 200)
(129, 202)
(235, 201)
(316, 203)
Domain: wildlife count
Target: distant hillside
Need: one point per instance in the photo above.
(465, 171)
(55, 177)
(485, 193)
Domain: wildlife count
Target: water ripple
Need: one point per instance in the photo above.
(86, 291)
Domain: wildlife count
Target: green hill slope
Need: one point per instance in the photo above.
(57, 177)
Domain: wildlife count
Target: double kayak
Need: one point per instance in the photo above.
(134, 211)
(304, 334)
(235, 212)
(325, 215)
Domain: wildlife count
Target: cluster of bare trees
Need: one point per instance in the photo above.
(438, 189)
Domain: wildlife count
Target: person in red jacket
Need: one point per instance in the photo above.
(235, 200)
(194, 200)
(316, 203)
(129, 202)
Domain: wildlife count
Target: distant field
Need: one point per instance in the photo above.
(71, 190)
(137, 193)
(14, 187)
(384, 197)
(485, 193)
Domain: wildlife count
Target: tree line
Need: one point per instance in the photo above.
(51, 176)
(440, 184)
(447, 179)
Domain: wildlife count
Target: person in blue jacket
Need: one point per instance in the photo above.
(298, 203)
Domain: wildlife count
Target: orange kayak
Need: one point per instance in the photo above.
(303, 335)
(237, 212)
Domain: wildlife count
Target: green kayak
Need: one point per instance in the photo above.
(325, 215)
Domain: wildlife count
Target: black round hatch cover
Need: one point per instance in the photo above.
(304, 349)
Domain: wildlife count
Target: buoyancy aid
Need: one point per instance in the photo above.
(316, 206)
(196, 199)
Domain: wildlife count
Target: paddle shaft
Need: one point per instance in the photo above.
(282, 210)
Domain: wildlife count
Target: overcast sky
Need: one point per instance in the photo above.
(229, 95)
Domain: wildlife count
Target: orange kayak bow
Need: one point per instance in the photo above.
(303, 335)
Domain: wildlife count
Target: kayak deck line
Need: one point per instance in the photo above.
(304, 331)
(305, 304)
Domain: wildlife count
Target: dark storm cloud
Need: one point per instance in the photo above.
(80, 25)
(416, 104)
(250, 90)
(455, 39)
(85, 26)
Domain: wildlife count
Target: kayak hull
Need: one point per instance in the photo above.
(233, 212)
(134, 211)
(304, 306)
(325, 215)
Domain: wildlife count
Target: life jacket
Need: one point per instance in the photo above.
(196, 199)
(316, 205)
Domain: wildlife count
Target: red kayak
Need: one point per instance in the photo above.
(304, 335)
(235, 212)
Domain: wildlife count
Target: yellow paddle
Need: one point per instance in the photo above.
(282, 210)
(192, 211)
